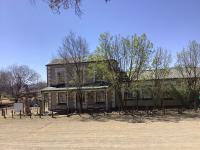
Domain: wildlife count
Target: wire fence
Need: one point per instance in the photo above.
(9, 112)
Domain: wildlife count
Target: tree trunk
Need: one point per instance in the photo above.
(162, 106)
(79, 101)
(193, 97)
(119, 96)
(137, 99)
(195, 104)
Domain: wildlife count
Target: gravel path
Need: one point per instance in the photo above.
(86, 133)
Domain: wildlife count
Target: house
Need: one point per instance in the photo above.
(172, 84)
(63, 93)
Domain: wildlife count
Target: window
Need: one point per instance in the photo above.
(80, 96)
(60, 75)
(46, 97)
(167, 95)
(129, 95)
(62, 97)
(90, 97)
(178, 82)
(98, 76)
(70, 96)
(147, 93)
(100, 96)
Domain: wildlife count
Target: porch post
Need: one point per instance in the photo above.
(95, 94)
(113, 99)
(106, 100)
(43, 102)
(67, 98)
(57, 98)
(50, 99)
(122, 92)
(75, 100)
(86, 101)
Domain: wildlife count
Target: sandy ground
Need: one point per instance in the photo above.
(101, 132)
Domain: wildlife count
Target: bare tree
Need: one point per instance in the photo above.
(159, 74)
(74, 50)
(5, 82)
(22, 77)
(57, 5)
(188, 63)
(35, 87)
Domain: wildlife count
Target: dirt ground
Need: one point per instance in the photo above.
(112, 131)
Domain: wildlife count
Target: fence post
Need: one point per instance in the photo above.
(163, 110)
(4, 114)
(12, 114)
(37, 110)
(20, 114)
(52, 113)
(40, 113)
(30, 114)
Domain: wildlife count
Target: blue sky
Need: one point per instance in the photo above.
(31, 34)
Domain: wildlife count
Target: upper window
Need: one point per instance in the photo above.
(98, 76)
(60, 75)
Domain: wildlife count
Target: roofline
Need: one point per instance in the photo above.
(91, 61)
(174, 78)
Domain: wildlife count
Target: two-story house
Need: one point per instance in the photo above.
(63, 87)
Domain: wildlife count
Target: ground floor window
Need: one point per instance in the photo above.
(81, 96)
(147, 93)
(70, 95)
(91, 97)
(167, 96)
(128, 95)
(100, 97)
(46, 97)
(62, 97)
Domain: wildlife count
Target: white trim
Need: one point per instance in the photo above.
(73, 88)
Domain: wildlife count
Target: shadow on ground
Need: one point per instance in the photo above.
(142, 117)
(171, 115)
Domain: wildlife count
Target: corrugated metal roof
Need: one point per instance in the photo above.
(173, 74)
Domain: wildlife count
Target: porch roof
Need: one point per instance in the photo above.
(48, 89)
